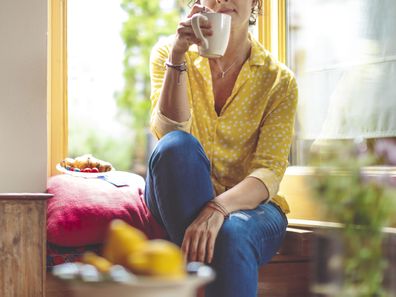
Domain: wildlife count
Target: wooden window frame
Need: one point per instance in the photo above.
(294, 186)
(57, 129)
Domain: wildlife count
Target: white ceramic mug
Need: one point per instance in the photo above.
(213, 46)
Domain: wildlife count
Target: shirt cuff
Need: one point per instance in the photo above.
(269, 179)
(161, 125)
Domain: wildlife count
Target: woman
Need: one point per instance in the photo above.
(225, 127)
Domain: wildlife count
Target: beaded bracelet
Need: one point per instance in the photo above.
(178, 67)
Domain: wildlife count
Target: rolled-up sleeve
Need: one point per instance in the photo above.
(270, 159)
(159, 123)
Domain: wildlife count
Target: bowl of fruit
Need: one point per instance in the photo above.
(133, 266)
(85, 166)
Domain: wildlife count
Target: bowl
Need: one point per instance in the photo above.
(139, 286)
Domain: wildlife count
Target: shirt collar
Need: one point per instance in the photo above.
(258, 53)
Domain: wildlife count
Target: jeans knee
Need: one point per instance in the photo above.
(234, 246)
(177, 147)
(233, 233)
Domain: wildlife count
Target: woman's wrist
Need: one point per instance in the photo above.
(219, 208)
(176, 57)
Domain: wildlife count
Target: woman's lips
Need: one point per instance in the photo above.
(226, 11)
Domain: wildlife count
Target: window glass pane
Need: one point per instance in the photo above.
(343, 53)
(109, 43)
(95, 55)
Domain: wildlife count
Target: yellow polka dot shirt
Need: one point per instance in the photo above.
(252, 134)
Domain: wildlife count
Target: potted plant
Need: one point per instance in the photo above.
(349, 260)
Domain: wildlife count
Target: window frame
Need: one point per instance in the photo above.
(57, 115)
(297, 179)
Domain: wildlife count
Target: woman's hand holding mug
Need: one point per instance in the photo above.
(185, 36)
(215, 45)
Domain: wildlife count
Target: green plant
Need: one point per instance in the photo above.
(114, 149)
(364, 205)
(147, 22)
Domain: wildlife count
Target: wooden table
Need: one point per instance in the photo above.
(22, 244)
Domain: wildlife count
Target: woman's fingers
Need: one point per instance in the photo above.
(201, 250)
(187, 34)
(210, 243)
(185, 247)
(189, 31)
(192, 253)
(199, 238)
(203, 23)
(198, 8)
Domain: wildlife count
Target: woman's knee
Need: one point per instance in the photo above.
(177, 147)
(233, 236)
(176, 140)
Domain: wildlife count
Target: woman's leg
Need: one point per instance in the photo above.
(246, 240)
(178, 182)
(178, 186)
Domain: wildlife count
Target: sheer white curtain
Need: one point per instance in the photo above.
(344, 55)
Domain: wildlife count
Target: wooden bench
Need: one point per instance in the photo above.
(288, 273)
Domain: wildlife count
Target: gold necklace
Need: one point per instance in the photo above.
(223, 72)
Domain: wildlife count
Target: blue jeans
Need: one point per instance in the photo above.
(178, 186)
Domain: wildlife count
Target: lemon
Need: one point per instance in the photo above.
(123, 240)
(158, 258)
(102, 264)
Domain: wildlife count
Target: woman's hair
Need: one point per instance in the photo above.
(256, 10)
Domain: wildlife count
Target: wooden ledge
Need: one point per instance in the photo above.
(317, 225)
(25, 196)
(312, 224)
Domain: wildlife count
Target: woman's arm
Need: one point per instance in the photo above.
(247, 194)
(173, 101)
(266, 170)
(271, 155)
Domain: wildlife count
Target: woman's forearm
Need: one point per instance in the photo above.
(173, 100)
(248, 194)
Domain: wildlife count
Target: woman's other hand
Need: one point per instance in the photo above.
(200, 236)
(185, 36)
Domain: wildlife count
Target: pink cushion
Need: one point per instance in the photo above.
(82, 208)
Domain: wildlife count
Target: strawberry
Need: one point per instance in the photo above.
(94, 170)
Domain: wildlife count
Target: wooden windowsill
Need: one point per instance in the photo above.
(311, 224)
(295, 187)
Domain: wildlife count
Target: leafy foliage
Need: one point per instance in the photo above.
(146, 23)
(364, 205)
(107, 147)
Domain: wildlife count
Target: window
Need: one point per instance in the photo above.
(344, 56)
(95, 52)
(91, 111)
(78, 75)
